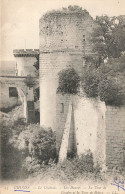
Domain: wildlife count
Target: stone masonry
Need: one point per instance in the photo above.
(65, 39)
(115, 137)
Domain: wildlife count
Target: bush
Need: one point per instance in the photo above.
(106, 81)
(29, 81)
(40, 142)
(9, 109)
(111, 92)
(44, 145)
(19, 143)
(78, 166)
(69, 82)
(11, 157)
(90, 82)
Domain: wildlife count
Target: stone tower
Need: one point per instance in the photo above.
(64, 40)
(25, 60)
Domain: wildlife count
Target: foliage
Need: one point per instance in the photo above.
(29, 81)
(44, 145)
(9, 109)
(105, 80)
(78, 166)
(41, 142)
(111, 92)
(70, 170)
(36, 65)
(109, 36)
(104, 73)
(70, 9)
(90, 81)
(69, 82)
(11, 157)
(21, 142)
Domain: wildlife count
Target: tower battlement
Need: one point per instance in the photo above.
(25, 53)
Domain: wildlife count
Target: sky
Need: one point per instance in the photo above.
(20, 19)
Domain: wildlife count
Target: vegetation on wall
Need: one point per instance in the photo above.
(70, 9)
(36, 65)
(104, 73)
(29, 81)
(69, 81)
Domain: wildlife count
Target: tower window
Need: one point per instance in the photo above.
(13, 92)
(84, 38)
(62, 108)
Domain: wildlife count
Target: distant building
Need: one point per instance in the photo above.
(14, 90)
(8, 95)
(25, 60)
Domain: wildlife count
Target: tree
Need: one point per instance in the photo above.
(106, 81)
(109, 36)
(69, 82)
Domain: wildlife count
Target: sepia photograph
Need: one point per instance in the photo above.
(62, 96)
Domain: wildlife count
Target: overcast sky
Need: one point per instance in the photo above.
(20, 19)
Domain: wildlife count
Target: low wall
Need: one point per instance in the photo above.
(89, 121)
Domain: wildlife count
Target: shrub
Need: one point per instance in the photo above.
(11, 157)
(29, 81)
(9, 109)
(90, 82)
(44, 145)
(69, 82)
(111, 92)
(40, 142)
(21, 142)
(77, 166)
(106, 81)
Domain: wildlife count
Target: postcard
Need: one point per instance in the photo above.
(62, 97)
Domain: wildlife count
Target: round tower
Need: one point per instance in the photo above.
(64, 41)
(25, 59)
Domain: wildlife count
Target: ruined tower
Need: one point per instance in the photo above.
(64, 40)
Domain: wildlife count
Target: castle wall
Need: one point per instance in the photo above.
(115, 137)
(89, 121)
(62, 105)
